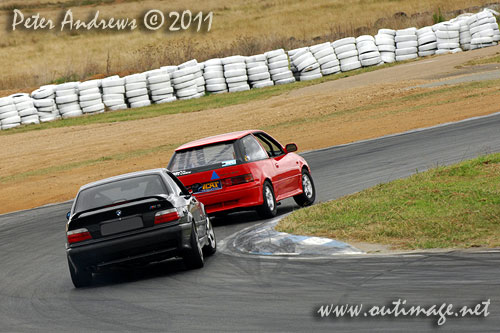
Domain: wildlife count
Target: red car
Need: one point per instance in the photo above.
(243, 170)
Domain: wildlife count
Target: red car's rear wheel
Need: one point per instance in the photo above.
(268, 208)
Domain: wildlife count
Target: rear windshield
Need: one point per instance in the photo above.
(119, 191)
(204, 157)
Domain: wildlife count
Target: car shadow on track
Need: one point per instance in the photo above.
(123, 275)
(244, 217)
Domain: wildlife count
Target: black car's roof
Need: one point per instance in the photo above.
(124, 176)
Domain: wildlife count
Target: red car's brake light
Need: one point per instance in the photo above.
(248, 178)
(78, 235)
(165, 216)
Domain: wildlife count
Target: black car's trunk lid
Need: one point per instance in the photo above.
(121, 217)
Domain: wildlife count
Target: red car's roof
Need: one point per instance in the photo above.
(215, 139)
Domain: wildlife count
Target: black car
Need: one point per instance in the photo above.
(136, 218)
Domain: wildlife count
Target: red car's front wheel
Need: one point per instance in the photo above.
(308, 195)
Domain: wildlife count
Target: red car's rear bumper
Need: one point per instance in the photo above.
(233, 197)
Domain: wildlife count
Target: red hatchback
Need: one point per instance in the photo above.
(243, 170)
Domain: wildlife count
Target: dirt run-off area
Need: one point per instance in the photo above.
(48, 166)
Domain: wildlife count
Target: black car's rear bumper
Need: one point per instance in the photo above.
(144, 246)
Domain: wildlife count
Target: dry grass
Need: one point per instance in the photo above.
(30, 59)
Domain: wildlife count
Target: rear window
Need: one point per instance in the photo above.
(119, 191)
(204, 157)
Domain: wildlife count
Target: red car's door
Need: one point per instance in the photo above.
(287, 167)
(287, 171)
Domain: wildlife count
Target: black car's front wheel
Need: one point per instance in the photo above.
(194, 257)
(211, 246)
(80, 278)
(268, 208)
(308, 195)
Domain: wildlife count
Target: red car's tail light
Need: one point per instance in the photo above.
(248, 178)
(165, 216)
(78, 235)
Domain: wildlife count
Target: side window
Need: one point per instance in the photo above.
(273, 149)
(252, 150)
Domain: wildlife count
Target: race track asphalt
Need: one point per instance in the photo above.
(236, 294)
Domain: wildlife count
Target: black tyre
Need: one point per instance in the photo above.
(80, 278)
(211, 246)
(194, 257)
(269, 208)
(307, 197)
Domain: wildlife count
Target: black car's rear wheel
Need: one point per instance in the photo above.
(268, 209)
(194, 257)
(308, 195)
(80, 278)
(211, 246)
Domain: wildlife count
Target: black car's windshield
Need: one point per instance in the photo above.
(219, 155)
(119, 191)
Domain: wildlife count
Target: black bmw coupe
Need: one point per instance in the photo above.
(135, 218)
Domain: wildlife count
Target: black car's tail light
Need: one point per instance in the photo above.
(165, 216)
(78, 235)
(248, 178)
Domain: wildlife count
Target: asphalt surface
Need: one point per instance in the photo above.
(255, 294)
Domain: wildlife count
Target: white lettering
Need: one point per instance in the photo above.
(33, 22)
(15, 22)
(68, 19)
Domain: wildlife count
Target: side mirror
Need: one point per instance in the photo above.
(291, 147)
(68, 215)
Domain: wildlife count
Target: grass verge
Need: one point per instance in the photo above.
(483, 61)
(186, 106)
(445, 207)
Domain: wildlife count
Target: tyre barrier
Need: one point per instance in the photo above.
(386, 45)
(9, 117)
(237, 73)
(213, 73)
(482, 30)
(198, 75)
(136, 90)
(277, 61)
(427, 41)
(326, 58)
(44, 100)
(465, 36)
(406, 44)
(368, 51)
(258, 71)
(159, 86)
(113, 93)
(447, 37)
(347, 53)
(306, 64)
(293, 69)
(90, 97)
(67, 100)
(26, 109)
(184, 82)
